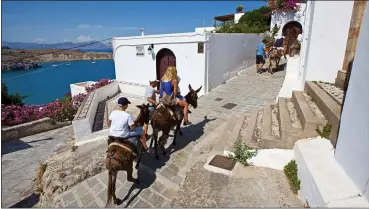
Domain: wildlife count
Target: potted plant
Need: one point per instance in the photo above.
(239, 9)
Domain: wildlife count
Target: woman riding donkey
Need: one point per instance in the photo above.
(169, 86)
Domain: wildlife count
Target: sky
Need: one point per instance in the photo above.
(54, 22)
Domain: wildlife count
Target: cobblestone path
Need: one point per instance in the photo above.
(161, 179)
(20, 159)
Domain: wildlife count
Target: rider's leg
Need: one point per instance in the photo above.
(184, 104)
(139, 132)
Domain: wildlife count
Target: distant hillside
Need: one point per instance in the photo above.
(64, 45)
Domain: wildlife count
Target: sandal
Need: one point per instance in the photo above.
(187, 123)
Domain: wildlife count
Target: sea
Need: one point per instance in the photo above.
(48, 83)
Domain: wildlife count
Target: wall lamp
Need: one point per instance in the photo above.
(150, 50)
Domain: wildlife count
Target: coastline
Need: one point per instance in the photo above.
(19, 60)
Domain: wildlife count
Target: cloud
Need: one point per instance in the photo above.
(84, 38)
(38, 40)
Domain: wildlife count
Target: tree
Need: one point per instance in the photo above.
(10, 99)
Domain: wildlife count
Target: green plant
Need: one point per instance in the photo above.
(242, 153)
(239, 8)
(74, 148)
(10, 99)
(290, 170)
(255, 21)
(326, 132)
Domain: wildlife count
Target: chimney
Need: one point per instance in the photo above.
(142, 32)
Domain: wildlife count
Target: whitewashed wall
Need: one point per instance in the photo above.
(329, 32)
(352, 150)
(142, 69)
(281, 18)
(227, 54)
(204, 29)
(80, 88)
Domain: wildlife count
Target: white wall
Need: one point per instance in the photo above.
(330, 26)
(204, 29)
(352, 150)
(281, 18)
(237, 17)
(229, 54)
(190, 64)
(80, 88)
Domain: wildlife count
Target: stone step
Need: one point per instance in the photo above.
(308, 119)
(223, 138)
(248, 128)
(270, 138)
(330, 108)
(234, 136)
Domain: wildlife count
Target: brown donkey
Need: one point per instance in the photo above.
(120, 156)
(273, 55)
(163, 121)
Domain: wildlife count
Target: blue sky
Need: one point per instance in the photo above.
(52, 22)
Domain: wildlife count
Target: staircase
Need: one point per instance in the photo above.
(281, 125)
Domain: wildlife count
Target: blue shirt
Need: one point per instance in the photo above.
(260, 50)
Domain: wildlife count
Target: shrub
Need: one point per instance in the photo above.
(290, 170)
(242, 153)
(99, 84)
(255, 21)
(326, 132)
(10, 99)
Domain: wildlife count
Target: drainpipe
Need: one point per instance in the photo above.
(142, 32)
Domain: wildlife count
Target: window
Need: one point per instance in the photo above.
(200, 48)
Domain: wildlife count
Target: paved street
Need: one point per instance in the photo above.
(160, 179)
(20, 160)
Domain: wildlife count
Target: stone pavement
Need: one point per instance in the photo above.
(162, 179)
(20, 159)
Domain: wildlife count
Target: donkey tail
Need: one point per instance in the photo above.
(110, 189)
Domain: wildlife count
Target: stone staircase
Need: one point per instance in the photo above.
(281, 125)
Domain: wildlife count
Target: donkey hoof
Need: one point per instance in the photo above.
(119, 201)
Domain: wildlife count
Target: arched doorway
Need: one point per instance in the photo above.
(290, 31)
(164, 58)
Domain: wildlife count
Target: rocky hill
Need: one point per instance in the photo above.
(13, 59)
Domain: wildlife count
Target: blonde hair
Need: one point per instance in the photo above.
(171, 74)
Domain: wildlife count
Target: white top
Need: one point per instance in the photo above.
(120, 122)
(178, 80)
(150, 92)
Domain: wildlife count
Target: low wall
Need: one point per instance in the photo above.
(80, 88)
(31, 128)
(228, 54)
(85, 117)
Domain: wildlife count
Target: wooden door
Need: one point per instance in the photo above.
(164, 59)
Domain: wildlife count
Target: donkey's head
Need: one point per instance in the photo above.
(144, 115)
(191, 97)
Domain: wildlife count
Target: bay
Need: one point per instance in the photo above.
(48, 83)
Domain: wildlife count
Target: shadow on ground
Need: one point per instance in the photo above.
(17, 144)
(27, 202)
(190, 134)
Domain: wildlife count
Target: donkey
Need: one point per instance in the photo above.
(120, 156)
(163, 121)
(274, 55)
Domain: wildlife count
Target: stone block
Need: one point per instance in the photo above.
(156, 200)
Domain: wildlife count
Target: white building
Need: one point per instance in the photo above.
(201, 59)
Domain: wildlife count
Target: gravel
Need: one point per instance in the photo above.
(275, 123)
(314, 108)
(241, 134)
(331, 89)
(293, 114)
(259, 122)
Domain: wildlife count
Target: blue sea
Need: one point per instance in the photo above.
(48, 83)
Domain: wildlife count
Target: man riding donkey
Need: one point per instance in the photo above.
(126, 142)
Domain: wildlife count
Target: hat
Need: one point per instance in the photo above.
(123, 101)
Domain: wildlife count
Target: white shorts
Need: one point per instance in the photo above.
(280, 48)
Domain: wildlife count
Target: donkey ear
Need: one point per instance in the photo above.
(139, 106)
(189, 87)
(197, 91)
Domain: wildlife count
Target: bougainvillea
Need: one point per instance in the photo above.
(284, 5)
(99, 84)
(60, 110)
